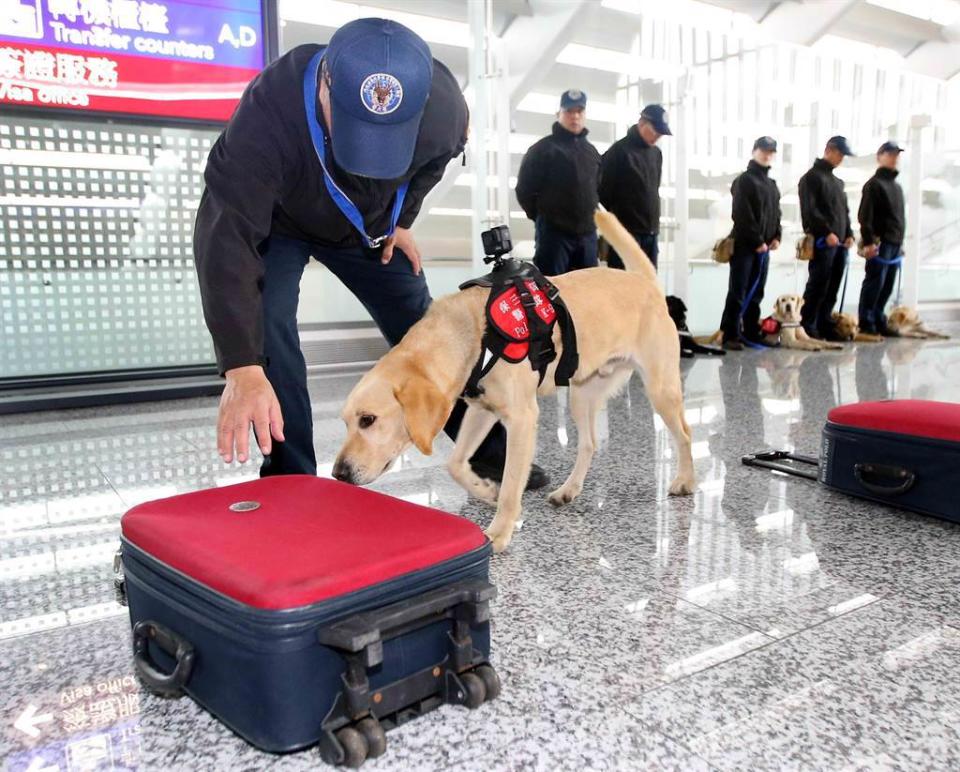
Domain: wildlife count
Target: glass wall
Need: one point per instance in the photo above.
(96, 259)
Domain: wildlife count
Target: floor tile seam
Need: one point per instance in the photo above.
(109, 481)
(682, 744)
(725, 617)
(770, 642)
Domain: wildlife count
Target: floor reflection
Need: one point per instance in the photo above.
(645, 618)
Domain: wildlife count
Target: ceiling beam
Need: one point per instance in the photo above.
(799, 23)
(532, 43)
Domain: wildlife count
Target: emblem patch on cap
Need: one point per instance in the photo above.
(574, 93)
(664, 118)
(381, 93)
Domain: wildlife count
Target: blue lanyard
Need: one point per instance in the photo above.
(343, 202)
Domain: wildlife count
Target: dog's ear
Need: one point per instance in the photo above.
(425, 410)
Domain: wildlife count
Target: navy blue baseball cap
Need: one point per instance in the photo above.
(380, 77)
(765, 143)
(572, 98)
(840, 143)
(657, 117)
(890, 147)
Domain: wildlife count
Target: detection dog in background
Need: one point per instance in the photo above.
(622, 324)
(906, 322)
(689, 346)
(786, 310)
(847, 327)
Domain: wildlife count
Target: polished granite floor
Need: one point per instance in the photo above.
(763, 623)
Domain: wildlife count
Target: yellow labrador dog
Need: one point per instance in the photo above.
(792, 335)
(906, 322)
(622, 324)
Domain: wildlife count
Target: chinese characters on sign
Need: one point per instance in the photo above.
(178, 58)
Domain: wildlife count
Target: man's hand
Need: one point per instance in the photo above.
(872, 251)
(763, 248)
(248, 398)
(848, 242)
(403, 239)
(832, 240)
(775, 244)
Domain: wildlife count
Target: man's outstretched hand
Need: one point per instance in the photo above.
(247, 399)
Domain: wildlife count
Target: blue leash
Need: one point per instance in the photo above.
(886, 264)
(846, 275)
(764, 256)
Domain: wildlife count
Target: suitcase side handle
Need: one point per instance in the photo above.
(468, 601)
(165, 684)
(884, 480)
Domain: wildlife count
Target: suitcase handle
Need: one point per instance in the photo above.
(468, 600)
(884, 480)
(165, 684)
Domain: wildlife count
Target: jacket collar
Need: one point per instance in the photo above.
(633, 135)
(823, 165)
(887, 174)
(758, 169)
(561, 133)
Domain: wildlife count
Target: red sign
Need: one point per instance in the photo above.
(177, 59)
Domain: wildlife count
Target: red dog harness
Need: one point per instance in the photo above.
(770, 326)
(522, 309)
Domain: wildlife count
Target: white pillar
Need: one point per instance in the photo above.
(681, 265)
(503, 128)
(479, 116)
(911, 263)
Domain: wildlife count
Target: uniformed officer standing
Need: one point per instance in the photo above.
(329, 154)
(630, 174)
(826, 216)
(756, 232)
(882, 224)
(557, 188)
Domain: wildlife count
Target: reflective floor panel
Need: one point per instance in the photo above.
(763, 623)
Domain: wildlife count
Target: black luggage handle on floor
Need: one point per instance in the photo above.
(166, 684)
(778, 461)
(884, 480)
(467, 601)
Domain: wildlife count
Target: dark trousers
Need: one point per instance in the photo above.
(877, 287)
(824, 277)
(395, 298)
(648, 243)
(558, 252)
(746, 268)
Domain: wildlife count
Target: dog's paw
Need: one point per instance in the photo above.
(499, 539)
(484, 489)
(682, 486)
(563, 495)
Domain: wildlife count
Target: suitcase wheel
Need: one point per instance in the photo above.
(490, 680)
(354, 746)
(376, 738)
(475, 691)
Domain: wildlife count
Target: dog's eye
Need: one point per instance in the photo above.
(366, 421)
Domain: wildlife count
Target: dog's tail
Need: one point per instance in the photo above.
(634, 258)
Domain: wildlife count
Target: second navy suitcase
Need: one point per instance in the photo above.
(905, 453)
(301, 610)
(900, 452)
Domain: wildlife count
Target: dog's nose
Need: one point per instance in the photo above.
(342, 471)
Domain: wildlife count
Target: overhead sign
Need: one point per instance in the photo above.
(178, 58)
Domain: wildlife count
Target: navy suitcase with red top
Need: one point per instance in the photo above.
(900, 452)
(903, 452)
(301, 610)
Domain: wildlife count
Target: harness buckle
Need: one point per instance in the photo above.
(377, 242)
